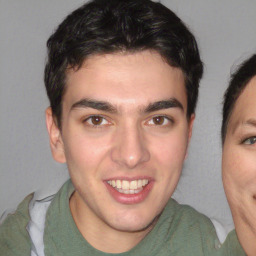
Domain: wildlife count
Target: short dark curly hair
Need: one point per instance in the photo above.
(108, 26)
(244, 73)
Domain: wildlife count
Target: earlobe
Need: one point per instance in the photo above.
(55, 137)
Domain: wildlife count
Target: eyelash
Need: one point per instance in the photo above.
(102, 118)
(166, 122)
(167, 118)
(244, 141)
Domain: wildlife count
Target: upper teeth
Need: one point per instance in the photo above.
(125, 184)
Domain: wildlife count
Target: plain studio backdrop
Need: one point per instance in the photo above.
(225, 31)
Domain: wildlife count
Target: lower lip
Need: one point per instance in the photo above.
(130, 198)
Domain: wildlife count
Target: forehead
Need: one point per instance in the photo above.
(245, 106)
(125, 79)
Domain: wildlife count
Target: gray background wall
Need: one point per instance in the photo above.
(226, 35)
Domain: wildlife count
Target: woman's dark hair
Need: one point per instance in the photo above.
(108, 26)
(244, 73)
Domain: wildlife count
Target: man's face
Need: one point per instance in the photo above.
(124, 138)
(239, 165)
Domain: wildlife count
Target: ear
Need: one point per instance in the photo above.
(190, 128)
(56, 143)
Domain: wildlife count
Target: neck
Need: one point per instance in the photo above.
(102, 236)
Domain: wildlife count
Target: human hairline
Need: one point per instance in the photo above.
(238, 82)
(107, 27)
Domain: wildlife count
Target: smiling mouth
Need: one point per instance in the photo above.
(128, 187)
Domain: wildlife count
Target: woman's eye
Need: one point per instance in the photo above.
(250, 141)
(96, 121)
(159, 120)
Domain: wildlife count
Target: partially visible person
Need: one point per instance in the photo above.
(239, 152)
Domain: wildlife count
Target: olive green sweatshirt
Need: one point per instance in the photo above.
(180, 231)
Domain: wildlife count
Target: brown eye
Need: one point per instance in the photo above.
(159, 120)
(96, 120)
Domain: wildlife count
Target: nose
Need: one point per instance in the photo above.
(130, 148)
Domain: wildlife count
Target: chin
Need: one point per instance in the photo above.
(132, 223)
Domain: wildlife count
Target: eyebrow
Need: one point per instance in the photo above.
(164, 104)
(250, 122)
(95, 104)
(107, 107)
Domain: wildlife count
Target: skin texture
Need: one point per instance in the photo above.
(131, 137)
(239, 166)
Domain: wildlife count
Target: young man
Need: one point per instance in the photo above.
(122, 77)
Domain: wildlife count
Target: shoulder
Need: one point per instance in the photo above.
(186, 216)
(190, 231)
(232, 245)
(14, 238)
(198, 233)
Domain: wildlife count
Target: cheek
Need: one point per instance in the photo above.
(239, 168)
(171, 150)
(85, 152)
